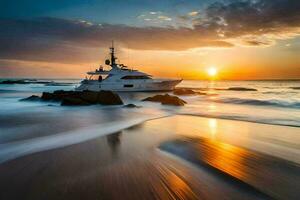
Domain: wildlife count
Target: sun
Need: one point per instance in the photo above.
(212, 71)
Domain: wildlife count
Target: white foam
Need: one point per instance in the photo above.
(9, 151)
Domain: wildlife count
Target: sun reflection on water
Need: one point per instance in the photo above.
(213, 125)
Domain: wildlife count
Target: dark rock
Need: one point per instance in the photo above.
(25, 81)
(13, 82)
(71, 101)
(131, 106)
(166, 99)
(202, 93)
(109, 98)
(241, 89)
(91, 97)
(184, 92)
(32, 98)
(56, 95)
(46, 96)
(83, 97)
(58, 84)
(295, 88)
(59, 95)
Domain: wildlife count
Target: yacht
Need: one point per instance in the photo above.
(121, 78)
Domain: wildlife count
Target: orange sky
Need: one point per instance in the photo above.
(243, 39)
(236, 63)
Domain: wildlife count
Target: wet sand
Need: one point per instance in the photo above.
(271, 175)
(130, 165)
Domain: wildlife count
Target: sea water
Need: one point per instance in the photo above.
(28, 127)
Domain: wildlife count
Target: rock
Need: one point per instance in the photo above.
(109, 98)
(13, 82)
(295, 88)
(71, 101)
(32, 98)
(83, 97)
(47, 96)
(91, 97)
(241, 89)
(25, 81)
(184, 92)
(202, 93)
(131, 106)
(58, 84)
(166, 99)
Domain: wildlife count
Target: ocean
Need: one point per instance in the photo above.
(47, 125)
(231, 140)
(272, 102)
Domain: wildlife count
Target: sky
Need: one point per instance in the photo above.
(242, 39)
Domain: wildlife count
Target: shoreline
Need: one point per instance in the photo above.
(240, 120)
(118, 165)
(133, 122)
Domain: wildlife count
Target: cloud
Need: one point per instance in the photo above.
(166, 18)
(256, 43)
(221, 24)
(193, 13)
(253, 17)
(77, 41)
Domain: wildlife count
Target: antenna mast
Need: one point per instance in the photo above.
(112, 54)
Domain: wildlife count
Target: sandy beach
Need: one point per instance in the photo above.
(141, 163)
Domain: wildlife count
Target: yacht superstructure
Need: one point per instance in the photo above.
(121, 78)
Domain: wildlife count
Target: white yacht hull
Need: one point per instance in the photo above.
(130, 86)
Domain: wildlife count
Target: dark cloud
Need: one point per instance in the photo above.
(242, 17)
(256, 43)
(53, 39)
(70, 40)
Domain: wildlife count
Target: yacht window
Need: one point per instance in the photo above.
(128, 85)
(135, 77)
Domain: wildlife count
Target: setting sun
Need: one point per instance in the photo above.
(212, 71)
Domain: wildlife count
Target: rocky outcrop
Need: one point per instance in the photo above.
(131, 106)
(31, 98)
(166, 99)
(295, 88)
(68, 98)
(73, 101)
(25, 81)
(13, 82)
(183, 91)
(241, 89)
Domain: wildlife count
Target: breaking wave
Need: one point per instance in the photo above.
(256, 102)
(12, 150)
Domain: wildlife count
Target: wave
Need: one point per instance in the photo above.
(220, 88)
(237, 89)
(12, 150)
(7, 91)
(255, 119)
(60, 84)
(257, 102)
